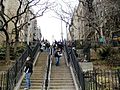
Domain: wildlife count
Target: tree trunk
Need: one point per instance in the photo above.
(15, 47)
(7, 55)
(7, 58)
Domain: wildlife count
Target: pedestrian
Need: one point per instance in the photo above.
(57, 55)
(28, 69)
(86, 50)
(60, 45)
(75, 51)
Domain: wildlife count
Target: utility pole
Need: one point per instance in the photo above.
(53, 38)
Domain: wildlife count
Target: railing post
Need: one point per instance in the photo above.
(95, 79)
(83, 88)
(16, 71)
(2, 81)
(7, 80)
(118, 73)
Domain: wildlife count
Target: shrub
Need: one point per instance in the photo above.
(104, 52)
(110, 54)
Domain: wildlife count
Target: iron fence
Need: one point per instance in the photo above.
(11, 77)
(102, 80)
(96, 79)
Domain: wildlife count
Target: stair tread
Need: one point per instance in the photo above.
(63, 89)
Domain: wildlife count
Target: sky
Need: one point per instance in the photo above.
(51, 27)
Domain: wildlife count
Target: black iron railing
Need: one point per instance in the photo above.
(47, 78)
(11, 77)
(77, 70)
(79, 74)
(102, 80)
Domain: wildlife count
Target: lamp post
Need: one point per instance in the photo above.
(28, 33)
(61, 30)
(28, 41)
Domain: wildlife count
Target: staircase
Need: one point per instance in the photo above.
(61, 78)
(37, 78)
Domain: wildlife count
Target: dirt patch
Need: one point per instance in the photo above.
(5, 65)
(102, 64)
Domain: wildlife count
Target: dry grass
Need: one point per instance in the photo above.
(101, 64)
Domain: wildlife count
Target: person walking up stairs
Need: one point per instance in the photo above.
(61, 77)
(37, 78)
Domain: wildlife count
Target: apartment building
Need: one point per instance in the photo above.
(27, 30)
(95, 19)
(82, 19)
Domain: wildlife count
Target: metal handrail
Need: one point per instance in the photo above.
(77, 70)
(79, 74)
(47, 77)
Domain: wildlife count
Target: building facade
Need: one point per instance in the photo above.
(27, 28)
(94, 19)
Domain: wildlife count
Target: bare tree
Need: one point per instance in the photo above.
(40, 7)
(65, 13)
(101, 15)
(4, 29)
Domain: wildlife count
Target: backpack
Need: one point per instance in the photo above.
(55, 54)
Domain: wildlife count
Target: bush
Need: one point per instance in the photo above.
(78, 45)
(110, 54)
(104, 52)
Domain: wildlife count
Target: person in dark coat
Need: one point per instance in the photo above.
(58, 54)
(28, 69)
(86, 50)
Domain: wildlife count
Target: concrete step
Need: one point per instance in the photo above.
(32, 87)
(35, 84)
(61, 79)
(62, 87)
(35, 80)
(62, 84)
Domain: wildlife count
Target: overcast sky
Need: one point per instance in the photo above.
(51, 26)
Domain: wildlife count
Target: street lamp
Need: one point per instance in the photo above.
(61, 30)
(1, 25)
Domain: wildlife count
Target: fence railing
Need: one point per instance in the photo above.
(11, 77)
(102, 80)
